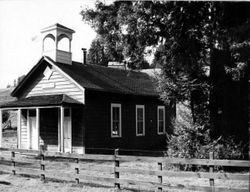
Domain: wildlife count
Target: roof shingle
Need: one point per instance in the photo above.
(107, 79)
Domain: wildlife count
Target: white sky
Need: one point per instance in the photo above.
(20, 25)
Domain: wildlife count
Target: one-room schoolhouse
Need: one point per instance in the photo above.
(68, 106)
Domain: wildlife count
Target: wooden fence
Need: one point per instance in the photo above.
(31, 162)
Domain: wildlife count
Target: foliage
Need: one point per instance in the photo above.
(190, 140)
(202, 47)
(5, 116)
(96, 53)
(117, 27)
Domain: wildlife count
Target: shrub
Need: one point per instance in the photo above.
(191, 140)
(5, 116)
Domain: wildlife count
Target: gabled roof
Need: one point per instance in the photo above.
(99, 78)
(44, 100)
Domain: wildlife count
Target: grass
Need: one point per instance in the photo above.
(11, 183)
(27, 184)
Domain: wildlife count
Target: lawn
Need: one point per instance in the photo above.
(18, 183)
(11, 183)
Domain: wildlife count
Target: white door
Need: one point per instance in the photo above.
(67, 127)
(33, 130)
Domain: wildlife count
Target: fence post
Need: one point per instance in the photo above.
(117, 164)
(77, 170)
(211, 170)
(13, 162)
(160, 176)
(42, 166)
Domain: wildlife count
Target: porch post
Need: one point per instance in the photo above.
(38, 127)
(59, 129)
(19, 111)
(61, 124)
(1, 127)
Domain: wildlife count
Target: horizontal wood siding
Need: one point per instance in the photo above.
(63, 57)
(98, 120)
(77, 127)
(57, 84)
(24, 130)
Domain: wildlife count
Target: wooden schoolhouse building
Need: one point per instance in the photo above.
(68, 106)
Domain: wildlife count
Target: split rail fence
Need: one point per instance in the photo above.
(37, 163)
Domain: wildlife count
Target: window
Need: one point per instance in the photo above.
(161, 119)
(140, 120)
(116, 120)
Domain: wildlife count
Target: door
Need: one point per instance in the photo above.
(33, 129)
(67, 127)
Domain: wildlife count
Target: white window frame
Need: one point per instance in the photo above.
(113, 105)
(136, 120)
(158, 119)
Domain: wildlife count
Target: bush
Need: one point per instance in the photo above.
(5, 116)
(191, 140)
(227, 148)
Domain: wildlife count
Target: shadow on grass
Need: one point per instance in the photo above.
(80, 185)
(5, 183)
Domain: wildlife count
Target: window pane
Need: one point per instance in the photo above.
(115, 128)
(139, 113)
(116, 113)
(161, 114)
(115, 121)
(161, 126)
(140, 127)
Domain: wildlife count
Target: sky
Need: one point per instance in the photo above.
(20, 38)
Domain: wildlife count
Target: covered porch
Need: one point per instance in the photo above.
(50, 122)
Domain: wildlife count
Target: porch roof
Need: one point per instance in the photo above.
(39, 101)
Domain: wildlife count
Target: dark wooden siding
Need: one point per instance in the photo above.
(77, 127)
(49, 127)
(98, 120)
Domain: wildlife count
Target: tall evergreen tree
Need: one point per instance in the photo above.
(96, 53)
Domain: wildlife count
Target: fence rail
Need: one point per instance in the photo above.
(38, 163)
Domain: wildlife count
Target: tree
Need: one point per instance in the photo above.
(118, 31)
(20, 78)
(96, 54)
(203, 48)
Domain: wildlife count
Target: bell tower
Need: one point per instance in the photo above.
(57, 43)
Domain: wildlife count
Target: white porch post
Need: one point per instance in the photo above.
(59, 129)
(28, 129)
(38, 127)
(1, 127)
(62, 131)
(19, 111)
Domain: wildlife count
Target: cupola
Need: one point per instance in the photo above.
(57, 43)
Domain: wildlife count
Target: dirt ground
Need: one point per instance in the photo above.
(11, 183)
